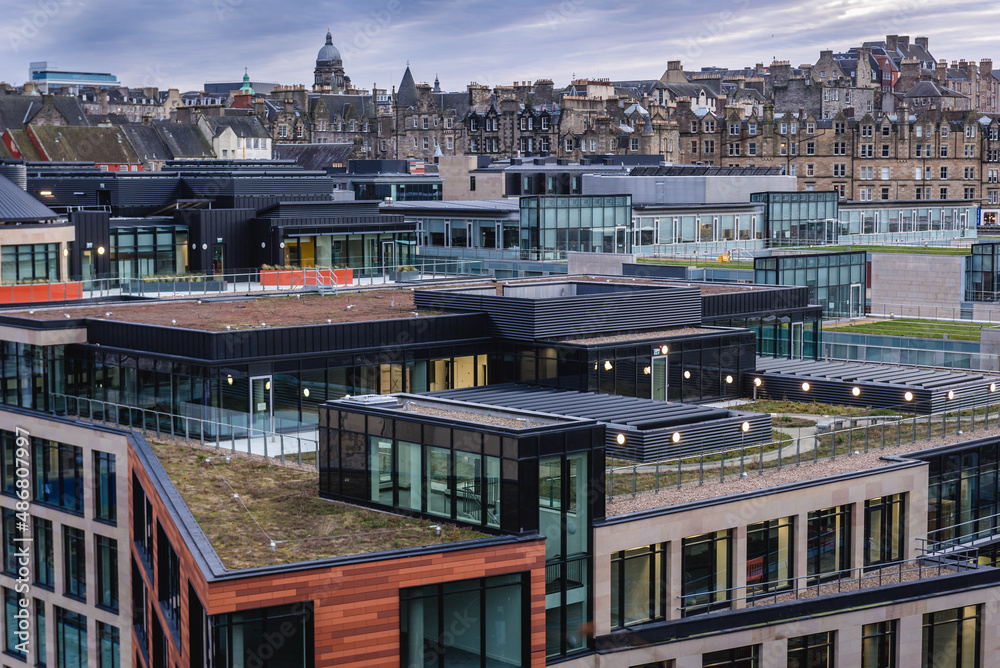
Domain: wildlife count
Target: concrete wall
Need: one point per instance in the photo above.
(686, 189)
(900, 279)
(456, 170)
(606, 264)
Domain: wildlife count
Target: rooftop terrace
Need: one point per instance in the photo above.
(284, 502)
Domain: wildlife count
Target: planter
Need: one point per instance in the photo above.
(404, 276)
(40, 292)
(288, 278)
(166, 287)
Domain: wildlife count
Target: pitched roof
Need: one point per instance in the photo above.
(17, 206)
(341, 105)
(314, 157)
(24, 145)
(931, 89)
(16, 111)
(243, 126)
(146, 142)
(184, 140)
(406, 95)
(100, 145)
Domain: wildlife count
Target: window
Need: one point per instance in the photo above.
(943, 151)
(106, 554)
(706, 573)
(10, 542)
(865, 194)
(885, 192)
(74, 563)
(709, 146)
(944, 173)
(40, 648)
(810, 128)
(490, 610)
(886, 130)
(569, 145)
(450, 143)
(110, 646)
(105, 493)
(866, 151)
(282, 131)
(709, 126)
(424, 122)
(970, 151)
(638, 585)
(840, 148)
(168, 578)
(447, 124)
(970, 131)
(635, 145)
(970, 173)
(416, 122)
(733, 149)
(919, 131)
(783, 148)
(839, 169)
(42, 556)
(770, 548)
(810, 148)
(969, 193)
(751, 128)
(142, 522)
(752, 148)
(951, 638)
(919, 151)
(426, 143)
(473, 124)
(943, 193)
(878, 644)
(71, 639)
(828, 542)
(792, 147)
(812, 651)
(885, 173)
(810, 169)
(867, 131)
(839, 127)
(58, 475)
(883, 530)
(225, 153)
(545, 123)
(734, 129)
(472, 184)
(299, 130)
(694, 126)
(784, 129)
(738, 657)
(865, 173)
(11, 607)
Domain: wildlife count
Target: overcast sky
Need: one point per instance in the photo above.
(184, 43)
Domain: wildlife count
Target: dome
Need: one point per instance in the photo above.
(329, 52)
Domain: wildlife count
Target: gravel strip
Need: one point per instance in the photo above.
(462, 416)
(773, 477)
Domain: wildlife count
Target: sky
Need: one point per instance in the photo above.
(185, 43)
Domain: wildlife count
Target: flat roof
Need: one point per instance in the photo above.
(282, 504)
(491, 205)
(214, 314)
(852, 372)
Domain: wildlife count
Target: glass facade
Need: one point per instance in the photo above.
(74, 563)
(951, 638)
(695, 227)
(707, 577)
(12, 644)
(836, 281)
(109, 651)
(29, 263)
(240, 638)
(400, 192)
(770, 550)
(58, 475)
(638, 585)
(878, 644)
(359, 252)
(105, 488)
(467, 232)
(106, 554)
(43, 557)
(983, 282)
(856, 218)
(799, 218)
(559, 223)
(40, 632)
(811, 651)
(828, 543)
(963, 494)
(489, 635)
(884, 530)
(136, 252)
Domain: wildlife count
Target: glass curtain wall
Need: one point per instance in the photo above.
(29, 263)
(137, 252)
(638, 585)
(828, 543)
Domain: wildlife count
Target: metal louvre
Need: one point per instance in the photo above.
(648, 426)
(744, 302)
(878, 386)
(627, 308)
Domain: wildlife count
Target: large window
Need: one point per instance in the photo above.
(12, 644)
(27, 263)
(770, 546)
(737, 657)
(884, 530)
(10, 542)
(58, 475)
(878, 645)
(74, 563)
(638, 585)
(962, 494)
(828, 543)
(106, 492)
(148, 251)
(40, 636)
(706, 572)
(490, 634)
(169, 579)
(238, 638)
(812, 651)
(108, 654)
(71, 639)
(951, 638)
(42, 555)
(107, 572)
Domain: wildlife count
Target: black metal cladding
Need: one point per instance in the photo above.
(600, 309)
(384, 335)
(91, 227)
(746, 302)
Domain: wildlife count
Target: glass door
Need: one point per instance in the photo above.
(218, 259)
(389, 256)
(660, 378)
(857, 307)
(261, 406)
(797, 340)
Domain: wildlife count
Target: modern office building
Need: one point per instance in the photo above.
(47, 75)
(836, 281)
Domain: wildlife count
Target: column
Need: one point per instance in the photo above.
(774, 654)
(675, 579)
(858, 535)
(738, 561)
(910, 641)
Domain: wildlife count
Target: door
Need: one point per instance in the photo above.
(261, 406)
(218, 259)
(389, 255)
(660, 378)
(857, 305)
(797, 340)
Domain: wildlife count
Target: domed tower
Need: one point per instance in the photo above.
(329, 72)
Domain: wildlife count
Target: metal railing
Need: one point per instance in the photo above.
(720, 465)
(236, 435)
(824, 584)
(947, 538)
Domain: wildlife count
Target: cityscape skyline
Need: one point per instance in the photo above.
(205, 42)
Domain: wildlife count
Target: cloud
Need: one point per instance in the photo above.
(185, 43)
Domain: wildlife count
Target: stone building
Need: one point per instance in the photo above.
(329, 74)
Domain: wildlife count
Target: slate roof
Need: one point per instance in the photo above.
(100, 145)
(146, 142)
(16, 111)
(24, 145)
(17, 206)
(342, 106)
(184, 140)
(931, 89)
(314, 157)
(406, 94)
(243, 126)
